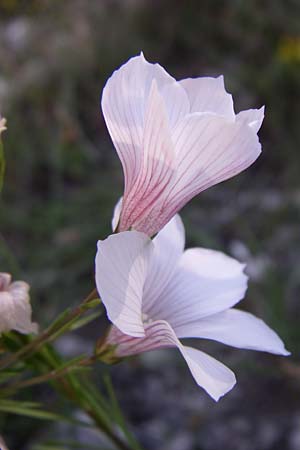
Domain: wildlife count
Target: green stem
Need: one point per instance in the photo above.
(45, 336)
(49, 376)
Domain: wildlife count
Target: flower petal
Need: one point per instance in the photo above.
(121, 266)
(209, 149)
(252, 117)
(15, 309)
(210, 374)
(22, 308)
(7, 312)
(123, 103)
(142, 196)
(208, 94)
(2, 124)
(5, 280)
(236, 328)
(215, 378)
(176, 101)
(168, 248)
(116, 214)
(206, 282)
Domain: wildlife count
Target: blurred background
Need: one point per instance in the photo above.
(63, 179)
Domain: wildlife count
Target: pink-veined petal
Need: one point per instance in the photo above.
(252, 117)
(22, 308)
(123, 103)
(207, 94)
(206, 282)
(5, 280)
(116, 214)
(176, 101)
(215, 378)
(236, 328)
(168, 248)
(121, 266)
(209, 149)
(140, 202)
(15, 308)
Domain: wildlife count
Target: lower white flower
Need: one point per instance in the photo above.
(15, 308)
(155, 293)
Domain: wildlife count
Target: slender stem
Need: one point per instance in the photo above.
(36, 343)
(63, 381)
(49, 376)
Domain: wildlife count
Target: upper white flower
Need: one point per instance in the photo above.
(174, 139)
(15, 308)
(156, 293)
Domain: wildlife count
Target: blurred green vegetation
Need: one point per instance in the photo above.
(63, 176)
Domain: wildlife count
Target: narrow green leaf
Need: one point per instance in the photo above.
(30, 409)
(85, 320)
(117, 413)
(91, 303)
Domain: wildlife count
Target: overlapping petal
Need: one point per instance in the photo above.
(155, 169)
(207, 94)
(155, 294)
(236, 328)
(124, 101)
(15, 308)
(252, 117)
(168, 249)
(174, 139)
(205, 282)
(209, 149)
(121, 267)
(215, 378)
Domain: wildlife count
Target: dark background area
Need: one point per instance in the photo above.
(63, 179)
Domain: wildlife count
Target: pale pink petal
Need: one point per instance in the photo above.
(176, 101)
(121, 266)
(15, 308)
(174, 139)
(209, 149)
(168, 248)
(252, 117)
(206, 282)
(2, 125)
(237, 328)
(7, 312)
(208, 94)
(215, 378)
(5, 280)
(124, 102)
(116, 214)
(155, 170)
(22, 308)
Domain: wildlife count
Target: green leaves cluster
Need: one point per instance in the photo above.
(27, 362)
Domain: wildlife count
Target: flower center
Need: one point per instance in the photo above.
(146, 319)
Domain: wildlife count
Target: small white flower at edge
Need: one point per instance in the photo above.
(174, 139)
(15, 308)
(2, 125)
(155, 293)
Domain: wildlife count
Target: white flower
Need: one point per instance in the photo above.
(15, 308)
(156, 293)
(174, 139)
(2, 125)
